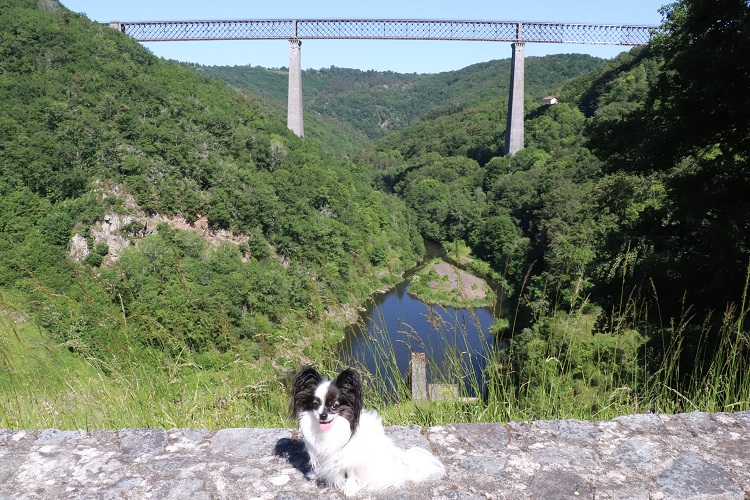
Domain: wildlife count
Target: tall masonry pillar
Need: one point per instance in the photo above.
(514, 129)
(294, 109)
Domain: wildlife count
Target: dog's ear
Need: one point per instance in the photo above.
(303, 390)
(351, 395)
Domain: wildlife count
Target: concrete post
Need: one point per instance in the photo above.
(419, 376)
(294, 110)
(514, 130)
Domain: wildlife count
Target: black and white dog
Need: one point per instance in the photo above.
(347, 445)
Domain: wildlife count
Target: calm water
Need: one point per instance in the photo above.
(395, 324)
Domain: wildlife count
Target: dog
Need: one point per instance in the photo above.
(347, 445)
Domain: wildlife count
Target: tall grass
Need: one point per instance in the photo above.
(388, 386)
(563, 367)
(46, 384)
(716, 374)
(560, 367)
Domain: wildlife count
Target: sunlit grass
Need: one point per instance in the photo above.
(431, 287)
(560, 368)
(43, 384)
(564, 368)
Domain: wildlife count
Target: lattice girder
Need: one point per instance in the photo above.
(387, 29)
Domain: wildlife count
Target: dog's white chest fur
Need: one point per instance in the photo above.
(367, 460)
(347, 445)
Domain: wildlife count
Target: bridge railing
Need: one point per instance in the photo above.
(386, 29)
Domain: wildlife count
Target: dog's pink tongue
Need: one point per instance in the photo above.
(325, 426)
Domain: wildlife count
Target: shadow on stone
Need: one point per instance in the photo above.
(293, 451)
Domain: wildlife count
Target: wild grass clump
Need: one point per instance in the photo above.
(582, 363)
(44, 384)
(92, 368)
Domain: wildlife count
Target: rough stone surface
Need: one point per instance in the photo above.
(119, 231)
(691, 455)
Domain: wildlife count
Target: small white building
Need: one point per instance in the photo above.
(549, 100)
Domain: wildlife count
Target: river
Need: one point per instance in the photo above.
(457, 342)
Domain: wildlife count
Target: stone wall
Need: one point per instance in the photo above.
(691, 455)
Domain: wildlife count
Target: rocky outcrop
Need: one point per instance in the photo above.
(691, 455)
(115, 231)
(119, 231)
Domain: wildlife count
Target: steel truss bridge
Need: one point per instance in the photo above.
(295, 30)
(386, 29)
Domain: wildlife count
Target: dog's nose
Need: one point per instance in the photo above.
(324, 414)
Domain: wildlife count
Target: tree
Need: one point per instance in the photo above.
(693, 130)
(430, 199)
(703, 90)
(702, 98)
(499, 241)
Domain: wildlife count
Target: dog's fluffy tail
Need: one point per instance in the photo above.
(421, 465)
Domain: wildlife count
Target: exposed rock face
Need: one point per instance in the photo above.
(692, 455)
(110, 232)
(119, 231)
(79, 247)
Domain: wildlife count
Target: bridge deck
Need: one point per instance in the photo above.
(387, 29)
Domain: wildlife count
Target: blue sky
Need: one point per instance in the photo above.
(382, 55)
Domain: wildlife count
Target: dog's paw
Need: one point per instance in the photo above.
(351, 487)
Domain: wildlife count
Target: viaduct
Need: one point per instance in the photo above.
(296, 30)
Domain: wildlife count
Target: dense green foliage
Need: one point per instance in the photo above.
(89, 116)
(513, 211)
(619, 231)
(690, 132)
(630, 196)
(603, 179)
(379, 102)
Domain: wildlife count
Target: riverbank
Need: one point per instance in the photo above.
(440, 283)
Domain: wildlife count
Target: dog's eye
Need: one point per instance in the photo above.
(335, 405)
(316, 404)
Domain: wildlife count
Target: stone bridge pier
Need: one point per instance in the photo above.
(514, 128)
(514, 140)
(294, 119)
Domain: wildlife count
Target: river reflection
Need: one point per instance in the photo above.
(456, 341)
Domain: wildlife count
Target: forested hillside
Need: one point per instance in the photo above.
(377, 103)
(89, 118)
(635, 163)
(628, 208)
(620, 232)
